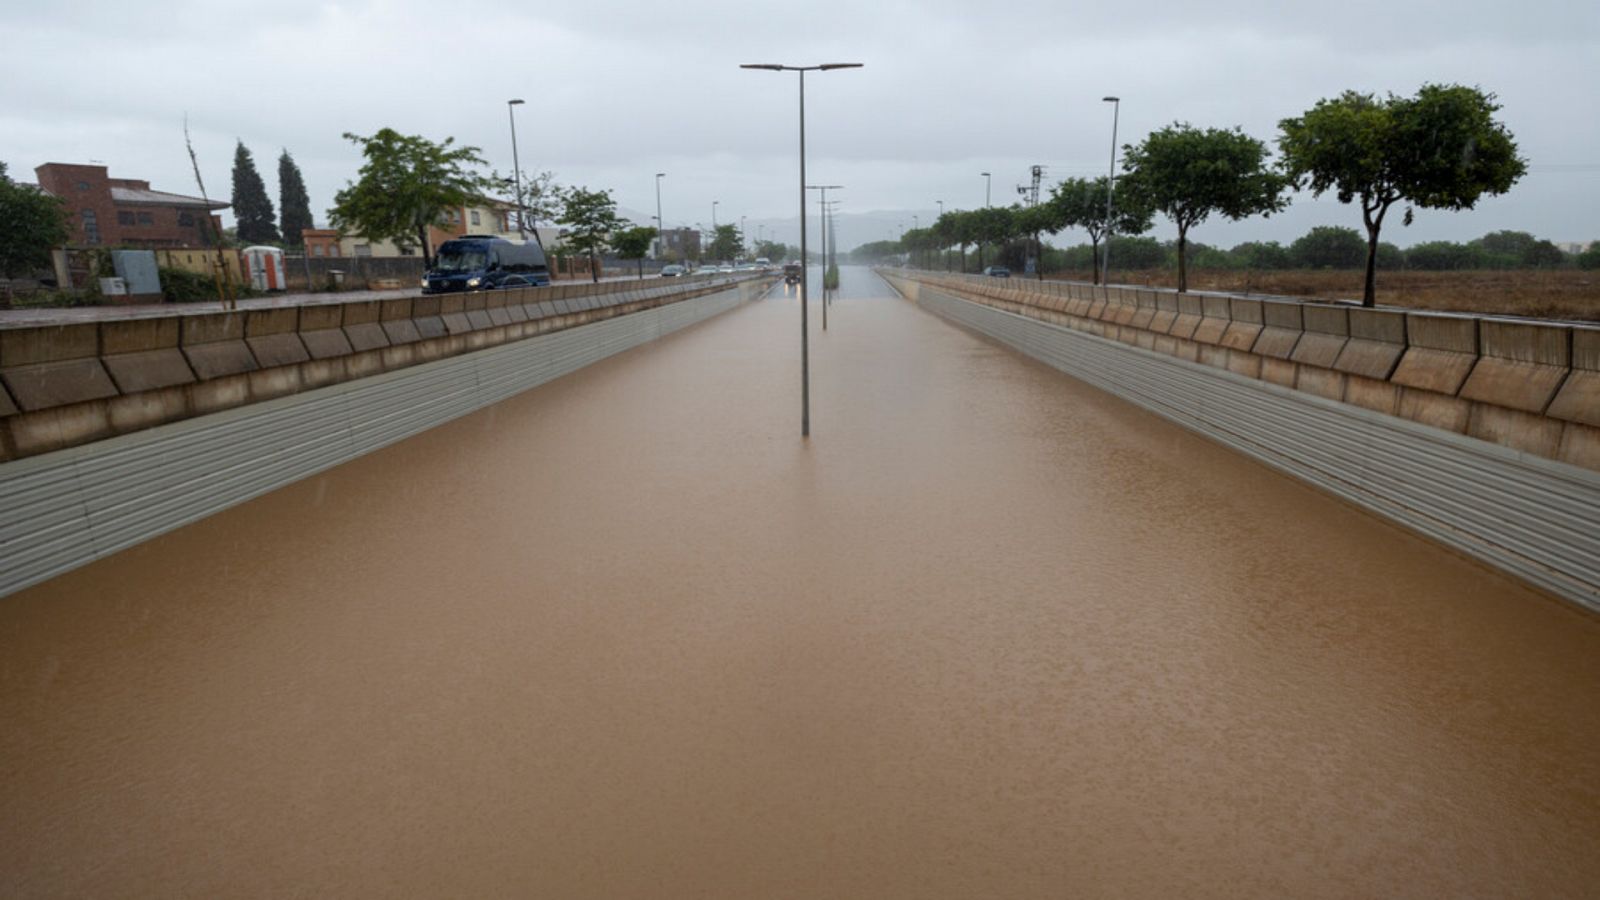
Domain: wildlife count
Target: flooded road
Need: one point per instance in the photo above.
(991, 633)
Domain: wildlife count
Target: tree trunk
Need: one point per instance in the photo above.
(422, 241)
(980, 258)
(641, 268)
(1183, 261)
(1094, 272)
(1369, 293)
(1374, 222)
(594, 268)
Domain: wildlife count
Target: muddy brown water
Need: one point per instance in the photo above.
(992, 633)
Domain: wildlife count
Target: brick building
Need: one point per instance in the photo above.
(126, 212)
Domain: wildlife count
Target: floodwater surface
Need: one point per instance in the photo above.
(989, 633)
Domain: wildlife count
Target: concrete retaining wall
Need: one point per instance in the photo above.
(1348, 414)
(66, 385)
(63, 509)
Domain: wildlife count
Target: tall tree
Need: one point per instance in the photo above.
(1441, 149)
(406, 184)
(725, 244)
(992, 225)
(32, 223)
(251, 207)
(634, 243)
(1082, 202)
(591, 218)
(294, 205)
(1187, 174)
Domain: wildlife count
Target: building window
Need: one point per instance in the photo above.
(91, 227)
(147, 218)
(475, 217)
(317, 250)
(83, 185)
(333, 250)
(185, 220)
(455, 217)
(124, 217)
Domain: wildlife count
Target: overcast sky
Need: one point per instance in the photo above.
(618, 91)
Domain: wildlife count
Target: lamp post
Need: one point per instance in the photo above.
(714, 214)
(823, 206)
(661, 224)
(805, 354)
(988, 182)
(1111, 180)
(741, 235)
(516, 167)
(946, 253)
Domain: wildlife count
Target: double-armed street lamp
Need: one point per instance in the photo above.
(516, 167)
(805, 356)
(1111, 178)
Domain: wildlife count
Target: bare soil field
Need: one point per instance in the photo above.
(1563, 294)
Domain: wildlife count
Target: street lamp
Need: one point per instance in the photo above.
(823, 205)
(516, 167)
(988, 181)
(714, 214)
(661, 224)
(946, 253)
(805, 353)
(1111, 176)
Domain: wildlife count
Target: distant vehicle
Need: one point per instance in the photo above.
(791, 273)
(725, 267)
(673, 271)
(764, 264)
(481, 262)
(997, 272)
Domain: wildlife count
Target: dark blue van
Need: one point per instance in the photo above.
(481, 262)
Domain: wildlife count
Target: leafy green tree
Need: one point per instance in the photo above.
(1139, 252)
(771, 250)
(1441, 149)
(725, 244)
(1589, 259)
(251, 208)
(1257, 255)
(1081, 202)
(32, 223)
(1440, 256)
(1390, 257)
(1187, 174)
(992, 225)
(1329, 247)
(591, 219)
(407, 184)
(1520, 249)
(634, 243)
(541, 198)
(294, 205)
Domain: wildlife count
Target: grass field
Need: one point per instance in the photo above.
(1559, 294)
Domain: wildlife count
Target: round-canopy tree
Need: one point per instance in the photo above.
(1187, 174)
(407, 184)
(1441, 149)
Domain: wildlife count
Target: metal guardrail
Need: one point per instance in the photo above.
(1532, 517)
(65, 509)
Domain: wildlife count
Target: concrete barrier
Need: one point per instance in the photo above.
(65, 385)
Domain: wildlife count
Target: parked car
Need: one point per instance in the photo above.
(673, 271)
(997, 272)
(726, 268)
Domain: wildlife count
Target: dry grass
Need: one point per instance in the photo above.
(1563, 294)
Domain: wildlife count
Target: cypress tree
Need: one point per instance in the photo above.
(251, 207)
(293, 203)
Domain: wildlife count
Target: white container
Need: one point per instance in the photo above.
(113, 287)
